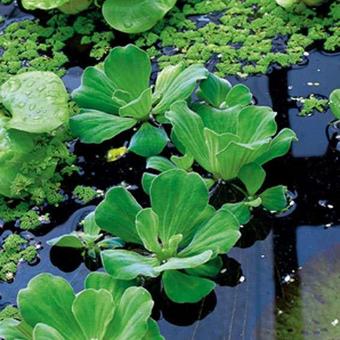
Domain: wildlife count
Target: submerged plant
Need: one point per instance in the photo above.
(105, 309)
(118, 96)
(179, 238)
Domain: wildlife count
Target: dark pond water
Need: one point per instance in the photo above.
(267, 290)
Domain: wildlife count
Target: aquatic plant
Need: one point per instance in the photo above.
(91, 241)
(290, 3)
(125, 16)
(334, 103)
(179, 238)
(118, 96)
(105, 309)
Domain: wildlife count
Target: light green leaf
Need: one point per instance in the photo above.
(183, 288)
(185, 162)
(147, 225)
(10, 329)
(148, 140)
(43, 4)
(93, 309)
(44, 295)
(252, 176)
(135, 16)
(45, 332)
(95, 92)
(240, 210)
(128, 67)
(75, 6)
(219, 234)
(116, 214)
(185, 262)
(159, 163)
(334, 103)
(95, 126)
(67, 241)
(209, 269)
(214, 90)
(238, 95)
(37, 101)
(274, 199)
(90, 225)
(139, 108)
(132, 315)
(127, 265)
(178, 198)
(147, 179)
(180, 87)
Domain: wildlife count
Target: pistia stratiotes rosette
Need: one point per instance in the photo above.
(105, 309)
(179, 238)
(118, 96)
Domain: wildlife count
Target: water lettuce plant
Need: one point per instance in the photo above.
(290, 3)
(179, 238)
(334, 103)
(126, 16)
(117, 96)
(34, 105)
(90, 240)
(105, 309)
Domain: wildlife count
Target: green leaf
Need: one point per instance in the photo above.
(132, 315)
(93, 309)
(97, 281)
(214, 90)
(96, 127)
(140, 108)
(240, 210)
(148, 140)
(116, 214)
(10, 329)
(44, 295)
(43, 4)
(252, 176)
(274, 199)
(135, 16)
(45, 332)
(209, 269)
(75, 6)
(147, 225)
(147, 179)
(178, 198)
(185, 262)
(67, 241)
(219, 234)
(128, 68)
(334, 103)
(127, 265)
(238, 95)
(180, 88)
(159, 163)
(183, 288)
(90, 225)
(153, 332)
(37, 101)
(185, 162)
(95, 92)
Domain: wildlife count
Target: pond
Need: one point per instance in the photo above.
(282, 277)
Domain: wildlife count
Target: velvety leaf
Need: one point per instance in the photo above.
(128, 67)
(238, 95)
(183, 288)
(127, 265)
(116, 214)
(148, 140)
(219, 234)
(240, 210)
(214, 90)
(153, 332)
(67, 241)
(95, 92)
(159, 163)
(131, 318)
(185, 262)
(147, 179)
(45, 332)
(278, 147)
(140, 108)
(90, 225)
(274, 199)
(93, 309)
(252, 176)
(334, 103)
(37, 101)
(135, 16)
(96, 127)
(178, 198)
(42, 300)
(188, 128)
(9, 329)
(43, 4)
(181, 87)
(209, 269)
(98, 280)
(147, 225)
